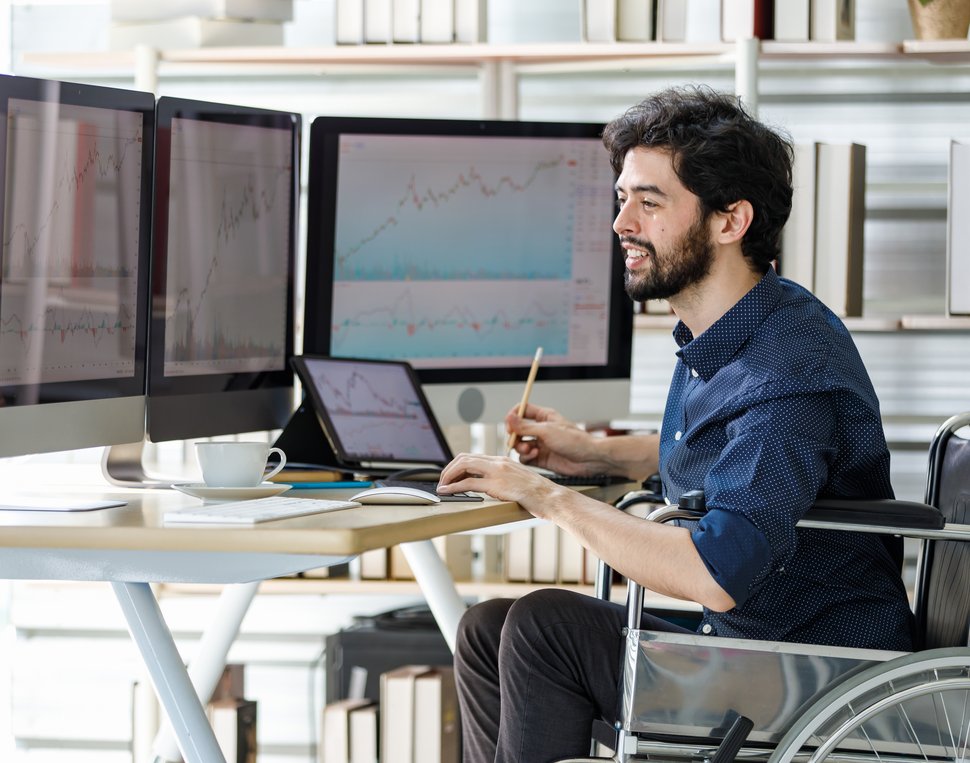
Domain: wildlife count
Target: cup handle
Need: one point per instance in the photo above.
(279, 467)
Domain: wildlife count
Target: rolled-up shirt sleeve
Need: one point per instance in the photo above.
(768, 474)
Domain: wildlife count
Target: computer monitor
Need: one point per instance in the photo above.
(76, 231)
(226, 198)
(462, 246)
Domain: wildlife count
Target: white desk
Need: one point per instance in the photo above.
(130, 548)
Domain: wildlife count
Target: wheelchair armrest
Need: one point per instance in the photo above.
(908, 515)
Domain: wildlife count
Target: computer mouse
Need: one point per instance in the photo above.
(395, 495)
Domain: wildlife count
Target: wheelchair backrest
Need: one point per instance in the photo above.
(943, 585)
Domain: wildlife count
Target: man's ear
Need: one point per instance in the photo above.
(733, 224)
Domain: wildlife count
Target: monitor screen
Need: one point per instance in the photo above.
(76, 232)
(226, 195)
(461, 247)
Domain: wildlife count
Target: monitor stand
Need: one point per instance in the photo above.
(123, 465)
(304, 443)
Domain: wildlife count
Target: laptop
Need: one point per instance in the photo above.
(373, 413)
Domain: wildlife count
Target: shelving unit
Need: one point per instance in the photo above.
(498, 65)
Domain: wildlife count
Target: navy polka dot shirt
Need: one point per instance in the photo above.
(768, 409)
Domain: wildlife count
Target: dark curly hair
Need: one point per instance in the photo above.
(720, 153)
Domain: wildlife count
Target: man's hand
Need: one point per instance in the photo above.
(549, 440)
(503, 479)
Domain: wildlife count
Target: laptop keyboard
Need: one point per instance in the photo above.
(257, 510)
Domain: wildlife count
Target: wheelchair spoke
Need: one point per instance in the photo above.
(937, 699)
(862, 730)
(962, 752)
(913, 736)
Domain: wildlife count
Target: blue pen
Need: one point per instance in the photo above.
(320, 485)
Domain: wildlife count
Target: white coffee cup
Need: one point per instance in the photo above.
(236, 464)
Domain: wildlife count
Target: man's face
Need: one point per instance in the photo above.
(666, 240)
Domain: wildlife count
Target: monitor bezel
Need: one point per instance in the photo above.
(322, 176)
(182, 407)
(114, 99)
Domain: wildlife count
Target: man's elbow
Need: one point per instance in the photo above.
(716, 598)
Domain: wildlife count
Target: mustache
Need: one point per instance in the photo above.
(640, 244)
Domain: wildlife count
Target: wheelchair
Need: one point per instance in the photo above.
(695, 698)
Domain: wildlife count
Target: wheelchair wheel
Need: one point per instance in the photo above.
(915, 707)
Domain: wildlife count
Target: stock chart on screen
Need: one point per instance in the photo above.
(226, 287)
(436, 236)
(68, 298)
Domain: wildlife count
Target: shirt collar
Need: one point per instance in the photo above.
(713, 349)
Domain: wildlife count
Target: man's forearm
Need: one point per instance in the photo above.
(636, 456)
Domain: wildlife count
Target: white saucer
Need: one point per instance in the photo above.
(206, 493)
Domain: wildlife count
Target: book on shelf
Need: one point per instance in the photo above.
(194, 32)
(958, 230)
(398, 567)
(397, 713)
(545, 553)
(792, 20)
(832, 20)
(365, 734)
(839, 226)
(139, 10)
(349, 22)
(471, 21)
(335, 730)
(598, 20)
(373, 564)
(702, 22)
(406, 20)
(518, 555)
(233, 722)
(456, 552)
(634, 20)
(438, 21)
(671, 20)
(570, 558)
(436, 735)
(377, 21)
(744, 19)
(590, 565)
(490, 553)
(797, 262)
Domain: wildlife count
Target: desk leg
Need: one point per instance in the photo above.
(210, 656)
(169, 676)
(437, 586)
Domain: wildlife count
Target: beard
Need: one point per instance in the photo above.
(685, 263)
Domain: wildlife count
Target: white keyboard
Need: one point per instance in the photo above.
(257, 510)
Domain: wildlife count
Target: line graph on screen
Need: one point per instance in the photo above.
(225, 275)
(419, 319)
(439, 224)
(70, 248)
(375, 413)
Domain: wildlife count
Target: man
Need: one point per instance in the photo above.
(769, 408)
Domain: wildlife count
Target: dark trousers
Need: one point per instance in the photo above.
(534, 673)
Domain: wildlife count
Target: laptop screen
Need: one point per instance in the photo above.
(372, 411)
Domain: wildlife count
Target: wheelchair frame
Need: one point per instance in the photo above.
(699, 698)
